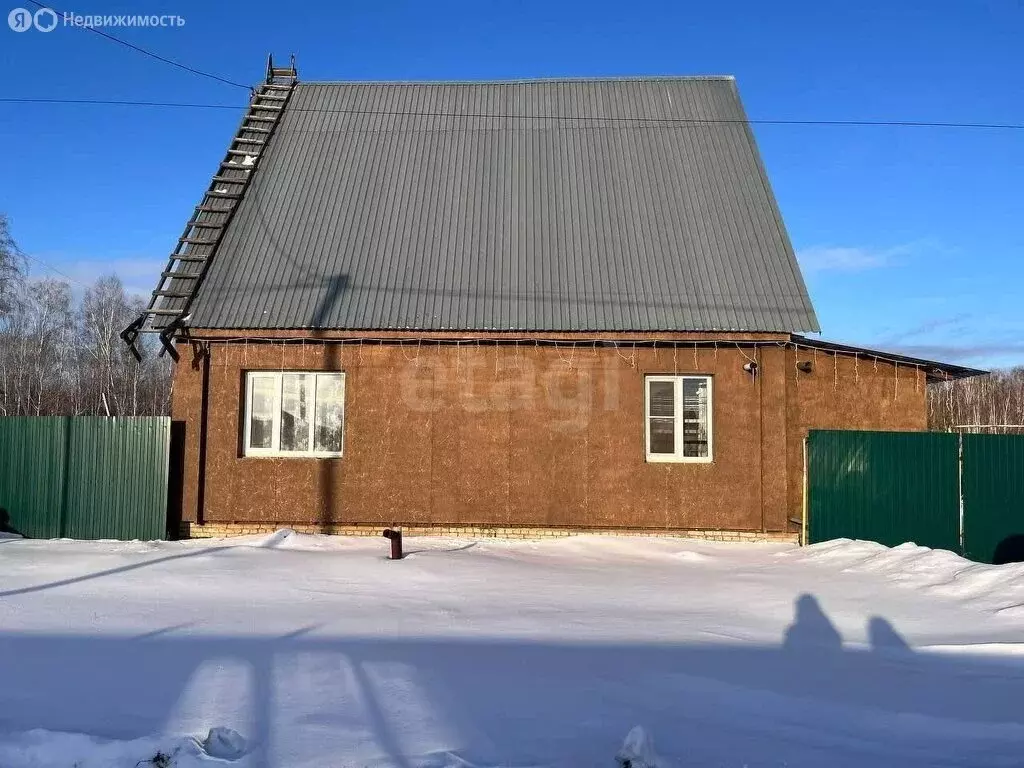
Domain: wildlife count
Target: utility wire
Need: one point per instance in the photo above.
(52, 268)
(480, 115)
(116, 103)
(655, 120)
(145, 52)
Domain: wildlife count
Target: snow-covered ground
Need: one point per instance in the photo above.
(320, 652)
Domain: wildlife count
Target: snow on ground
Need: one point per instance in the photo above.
(321, 652)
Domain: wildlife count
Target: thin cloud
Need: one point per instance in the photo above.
(139, 274)
(962, 337)
(820, 258)
(954, 324)
(967, 352)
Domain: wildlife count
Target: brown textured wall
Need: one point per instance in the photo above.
(525, 435)
(846, 392)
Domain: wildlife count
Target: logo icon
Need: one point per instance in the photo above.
(45, 20)
(20, 20)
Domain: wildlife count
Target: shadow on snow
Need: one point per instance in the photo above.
(808, 701)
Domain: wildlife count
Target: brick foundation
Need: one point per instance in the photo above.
(221, 530)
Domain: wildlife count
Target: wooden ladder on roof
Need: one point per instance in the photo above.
(169, 306)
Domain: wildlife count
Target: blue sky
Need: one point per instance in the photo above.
(910, 239)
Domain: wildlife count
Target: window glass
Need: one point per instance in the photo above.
(695, 417)
(295, 412)
(678, 418)
(263, 394)
(330, 412)
(661, 398)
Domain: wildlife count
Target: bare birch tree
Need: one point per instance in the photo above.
(12, 268)
(62, 357)
(42, 331)
(993, 403)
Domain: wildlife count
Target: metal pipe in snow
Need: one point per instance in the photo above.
(396, 542)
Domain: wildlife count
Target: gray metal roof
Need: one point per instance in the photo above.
(532, 205)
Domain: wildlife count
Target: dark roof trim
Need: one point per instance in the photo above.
(936, 371)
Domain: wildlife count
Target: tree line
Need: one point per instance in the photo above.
(995, 401)
(61, 354)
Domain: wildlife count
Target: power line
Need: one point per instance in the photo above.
(567, 118)
(116, 103)
(145, 52)
(52, 268)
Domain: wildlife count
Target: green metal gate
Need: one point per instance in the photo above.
(963, 493)
(889, 487)
(993, 492)
(85, 477)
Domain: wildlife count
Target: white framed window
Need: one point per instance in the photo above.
(678, 418)
(294, 413)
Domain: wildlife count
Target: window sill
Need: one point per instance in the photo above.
(666, 459)
(291, 455)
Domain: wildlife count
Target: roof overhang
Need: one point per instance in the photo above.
(935, 371)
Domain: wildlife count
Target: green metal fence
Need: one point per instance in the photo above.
(889, 487)
(961, 493)
(85, 477)
(993, 493)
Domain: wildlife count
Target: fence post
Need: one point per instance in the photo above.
(803, 517)
(960, 485)
(65, 471)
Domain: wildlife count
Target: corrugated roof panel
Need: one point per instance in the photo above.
(536, 205)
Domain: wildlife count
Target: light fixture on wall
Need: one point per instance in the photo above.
(750, 368)
(805, 366)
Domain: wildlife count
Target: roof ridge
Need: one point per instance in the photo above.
(528, 80)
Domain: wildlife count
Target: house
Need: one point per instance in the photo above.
(522, 307)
